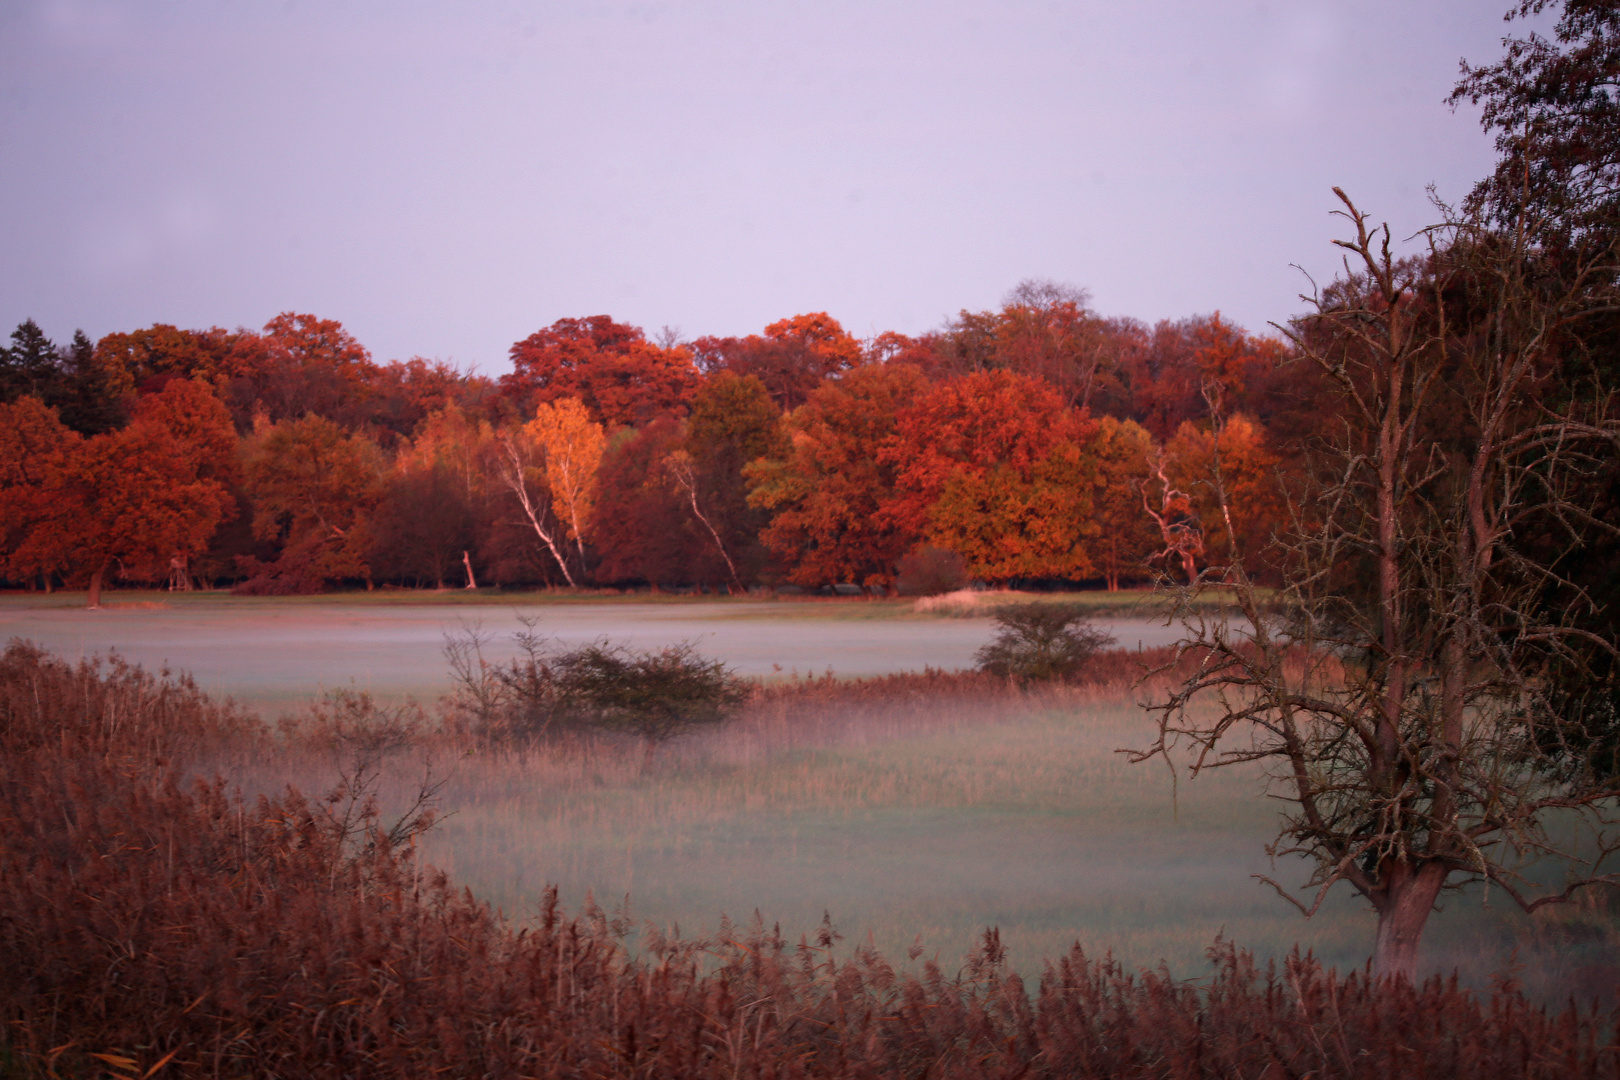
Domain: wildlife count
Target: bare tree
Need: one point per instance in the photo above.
(1410, 694)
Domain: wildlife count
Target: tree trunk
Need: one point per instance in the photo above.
(95, 587)
(1408, 901)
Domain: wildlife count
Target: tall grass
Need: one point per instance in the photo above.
(156, 926)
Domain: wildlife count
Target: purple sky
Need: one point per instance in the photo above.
(446, 178)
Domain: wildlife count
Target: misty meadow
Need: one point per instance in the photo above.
(1047, 693)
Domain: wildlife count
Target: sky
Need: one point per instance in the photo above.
(447, 178)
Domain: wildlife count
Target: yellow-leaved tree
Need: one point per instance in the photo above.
(571, 446)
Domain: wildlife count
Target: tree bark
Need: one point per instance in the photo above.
(95, 588)
(1408, 901)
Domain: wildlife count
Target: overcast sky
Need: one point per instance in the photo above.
(446, 178)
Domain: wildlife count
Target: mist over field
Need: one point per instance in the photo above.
(275, 656)
(919, 821)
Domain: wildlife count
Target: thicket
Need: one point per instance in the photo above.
(1038, 642)
(157, 925)
(547, 691)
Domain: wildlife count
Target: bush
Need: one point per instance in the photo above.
(655, 695)
(544, 692)
(1040, 642)
(929, 571)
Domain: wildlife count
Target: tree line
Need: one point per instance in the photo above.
(1036, 442)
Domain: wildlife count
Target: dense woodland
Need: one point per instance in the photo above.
(1040, 442)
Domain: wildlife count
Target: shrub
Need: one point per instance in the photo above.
(544, 692)
(655, 695)
(930, 571)
(1038, 642)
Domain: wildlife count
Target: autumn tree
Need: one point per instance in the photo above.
(1420, 706)
(451, 439)
(423, 526)
(1164, 370)
(37, 458)
(313, 486)
(435, 505)
(133, 499)
(1244, 503)
(1127, 537)
(1551, 103)
(1047, 330)
(1044, 330)
(517, 464)
(571, 444)
(405, 393)
(733, 422)
(301, 365)
(994, 467)
(790, 359)
(643, 527)
(623, 379)
(827, 492)
(141, 361)
(892, 347)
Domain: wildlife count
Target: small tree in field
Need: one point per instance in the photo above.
(1420, 705)
(1041, 642)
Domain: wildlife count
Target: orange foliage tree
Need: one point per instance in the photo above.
(36, 456)
(313, 486)
(1127, 536)
(826, 494)
(136, 498)
(140, 360)
(791, 359)
(1046, 330)
(301, 364)
(623, 379)
(994, 467)
(571, 447)
(453, 440)
(1236, 458)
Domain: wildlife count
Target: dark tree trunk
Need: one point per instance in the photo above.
(1408, 901)
(95, 587)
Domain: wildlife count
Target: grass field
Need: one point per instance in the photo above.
(276, 654)
(924, 826)
(919, 824)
